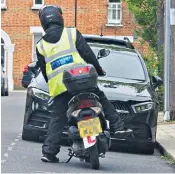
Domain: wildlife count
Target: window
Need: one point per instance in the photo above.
(3, 4)
(36, 38)
(114, 12)
(37, 4)
(37, 32)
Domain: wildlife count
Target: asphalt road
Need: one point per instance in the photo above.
(18, 156)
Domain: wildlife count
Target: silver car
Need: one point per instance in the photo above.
(4, 83)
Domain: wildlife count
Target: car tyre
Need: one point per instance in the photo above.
(3, 92)
(147, 149)
(6, 93)
(30, 134)
(150, 149)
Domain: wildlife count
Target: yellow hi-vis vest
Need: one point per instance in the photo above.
(58, 57)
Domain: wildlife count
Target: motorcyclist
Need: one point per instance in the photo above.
(59, 48)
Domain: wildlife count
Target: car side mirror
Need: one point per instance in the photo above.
(103, 53)
(157, 81)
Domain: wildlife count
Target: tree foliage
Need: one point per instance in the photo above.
(145, 16)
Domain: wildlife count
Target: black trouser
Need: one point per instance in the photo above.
(59, 120)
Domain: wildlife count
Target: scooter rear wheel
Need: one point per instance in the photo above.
(94, 157)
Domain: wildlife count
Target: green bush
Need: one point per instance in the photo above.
(160, 94)
(145, 15)
(154, 65)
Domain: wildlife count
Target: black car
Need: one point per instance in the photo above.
(126, 84)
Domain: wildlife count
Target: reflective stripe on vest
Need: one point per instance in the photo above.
(50, 76)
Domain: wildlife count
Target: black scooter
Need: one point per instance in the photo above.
(88, 130)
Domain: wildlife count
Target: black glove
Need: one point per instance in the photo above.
(101, 72)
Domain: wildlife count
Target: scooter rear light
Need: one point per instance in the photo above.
(87, 117)
(78, 71)
(85, 104)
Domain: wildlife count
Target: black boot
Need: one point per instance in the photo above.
(50, 158)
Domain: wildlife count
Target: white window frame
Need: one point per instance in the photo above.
(37, 6)
(34, 30)
(114, 22)
(3, 5)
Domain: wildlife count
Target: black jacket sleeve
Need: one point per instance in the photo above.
(42, 64)
(86, 53)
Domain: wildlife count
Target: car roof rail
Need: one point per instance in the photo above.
(109, 40)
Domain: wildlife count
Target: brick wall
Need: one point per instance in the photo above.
(91, 17)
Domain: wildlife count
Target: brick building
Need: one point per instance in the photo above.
(20, 27)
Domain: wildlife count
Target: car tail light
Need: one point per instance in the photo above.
(26, 69)
(85, 104)
(78, 71)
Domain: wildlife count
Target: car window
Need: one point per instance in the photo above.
(121, 65)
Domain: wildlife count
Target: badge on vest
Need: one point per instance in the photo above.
(61, 61)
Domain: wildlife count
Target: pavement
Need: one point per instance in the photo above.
(166, 137)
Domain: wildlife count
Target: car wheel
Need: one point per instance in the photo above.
(147, 148)
(3, 92)
(136, 147)
(30, 134)
(6, 93)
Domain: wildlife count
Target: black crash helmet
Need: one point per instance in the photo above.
(50, 14)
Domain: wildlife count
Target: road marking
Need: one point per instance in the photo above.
(6, 154)
(10, 148)
(3, 161)
(12, 144)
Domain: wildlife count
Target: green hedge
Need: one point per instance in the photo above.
(155, 66)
